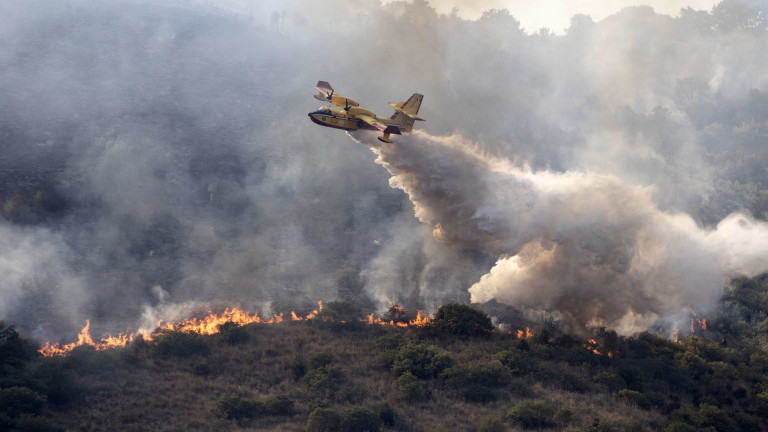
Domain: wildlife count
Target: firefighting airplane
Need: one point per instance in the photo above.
(352, 116)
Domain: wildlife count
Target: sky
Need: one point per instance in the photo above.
(556, 14)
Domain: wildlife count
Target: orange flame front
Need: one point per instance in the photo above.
(206, 325)
(524, 334)
(594, 346)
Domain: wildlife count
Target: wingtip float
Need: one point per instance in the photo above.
(352, 116)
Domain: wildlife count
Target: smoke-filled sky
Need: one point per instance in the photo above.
(157, 156)
(556, 15)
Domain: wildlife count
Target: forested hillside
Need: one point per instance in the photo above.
(338, 373)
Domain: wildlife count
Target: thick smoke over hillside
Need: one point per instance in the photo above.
(587, 246)
(157, 154)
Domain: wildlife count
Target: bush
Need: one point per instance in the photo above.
(279, 406)
(462, 376)
(532, 414)
(410, 386)
(178, 344)
(320, 359)
(359, 419)
(61, 386)
(234, 407)
(14, 350)
(339, 311)
(612, 381)
(16, 401)
(387, 414)
(233, 333)
(422, 360)
(491, 425)
(460, 319)
(324, 381)
(237, 407)
(518, 362)
(478, 394)
(634, 397)
(323, 420)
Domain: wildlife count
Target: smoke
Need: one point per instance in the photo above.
(157, 155)
(587, 246)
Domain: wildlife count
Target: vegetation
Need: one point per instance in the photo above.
(304, 376)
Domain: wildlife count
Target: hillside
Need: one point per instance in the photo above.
(453, 374)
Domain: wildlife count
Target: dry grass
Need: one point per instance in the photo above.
(141, 392)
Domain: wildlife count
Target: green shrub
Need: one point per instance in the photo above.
(563, 416)
(16, 401)
(279, 405)
(61, 386)
(237, 407)
(359, 419)
(461, 319)
(390, 342)
(491, 425)
(612, 381)
(320, 359)
(459, 376)
(339, 311)
(234, 333)
(518, 362)
(422, 360)
(532, 414)
(14, 350)
(178, 344)
(633, 397)
(410, 386)
(477, 393)
(324, 381)
(387, 414)
(324, 420)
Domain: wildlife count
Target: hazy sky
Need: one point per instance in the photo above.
(556, 14)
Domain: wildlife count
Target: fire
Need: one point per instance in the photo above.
(526, 334)
(211, 322)
(421, 320)
(594, 346)
(84, 338)
(676, 336)
(206, 325)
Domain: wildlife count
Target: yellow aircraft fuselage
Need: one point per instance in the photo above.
(353, 116)
(342, 119)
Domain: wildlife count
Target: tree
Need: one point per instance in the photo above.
(462, 319)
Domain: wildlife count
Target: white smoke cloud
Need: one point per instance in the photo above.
(166, 144)
(586, 246)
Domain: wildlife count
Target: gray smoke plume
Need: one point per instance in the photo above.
(587, 246)
(157, 155)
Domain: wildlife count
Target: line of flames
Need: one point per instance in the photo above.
(206, 325)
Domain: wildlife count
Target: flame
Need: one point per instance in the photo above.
(594, 346)
(676, 336)
(206, 325)
(84, 338)
(314, 313)
(421, 320)
(702, 324)
(526, 334)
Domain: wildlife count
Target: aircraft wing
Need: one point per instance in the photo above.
(379, 125)
(325, 89)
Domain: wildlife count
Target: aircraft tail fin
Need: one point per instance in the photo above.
(405, 112)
